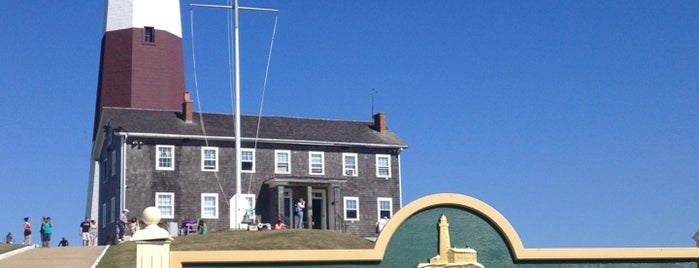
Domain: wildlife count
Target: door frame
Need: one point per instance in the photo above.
(322, 196)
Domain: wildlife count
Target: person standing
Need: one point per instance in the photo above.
(134, 225)
(27, 232)
(123, 220)
(300, 206)
(48, 230)
(42, 231)
(93, 233)
(85, 231)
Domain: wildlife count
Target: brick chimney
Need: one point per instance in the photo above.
(380, 122)
(187, 108)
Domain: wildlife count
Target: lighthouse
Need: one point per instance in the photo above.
(141, 66)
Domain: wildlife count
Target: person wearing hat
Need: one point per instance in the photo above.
(123, 220)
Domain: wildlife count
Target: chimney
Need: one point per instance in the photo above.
(187, 108)
(380, 122)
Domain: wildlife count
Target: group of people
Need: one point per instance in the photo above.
(88, 232)
(88, 228)
(46, 231)
(188, 223)
(125, 224)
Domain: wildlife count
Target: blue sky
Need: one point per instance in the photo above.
(576, 120)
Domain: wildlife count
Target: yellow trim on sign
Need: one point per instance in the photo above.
(177, 258)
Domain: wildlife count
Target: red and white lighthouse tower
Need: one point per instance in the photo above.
(141, 66)
(141, 63)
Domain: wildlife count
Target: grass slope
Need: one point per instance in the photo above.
(124, 255)
(9, 247)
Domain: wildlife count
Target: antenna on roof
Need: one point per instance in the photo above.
(373, 92)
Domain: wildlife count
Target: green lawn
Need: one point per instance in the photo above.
(124, 255)
(5, 247)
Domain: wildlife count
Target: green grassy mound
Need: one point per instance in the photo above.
(124, 255)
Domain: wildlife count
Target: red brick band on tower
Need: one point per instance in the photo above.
(140, 66)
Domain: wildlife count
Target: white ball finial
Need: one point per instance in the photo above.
(151, 216)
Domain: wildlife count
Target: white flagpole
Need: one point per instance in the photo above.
(235, 220)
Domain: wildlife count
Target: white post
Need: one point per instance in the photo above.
(152, 242)
(235, 222)
(236, 77)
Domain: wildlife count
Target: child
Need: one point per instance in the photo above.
(279, 225)
(202, 227)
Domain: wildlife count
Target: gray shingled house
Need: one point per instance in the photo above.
(150, 149)
(182, 163)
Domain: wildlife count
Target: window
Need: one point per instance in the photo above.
(104, 215)
(317, 163)
(385, 207)
(383, 166)
(349, 164)
(247, 159)
(164, 157)
(281, 162)
(113, 207)
(351, 208)
(209, 206)
(104, 170)
(149, 35)
(209, 159)
(165, 202)
(113, 166)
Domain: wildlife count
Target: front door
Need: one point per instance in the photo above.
(288, 208)
(319, 209)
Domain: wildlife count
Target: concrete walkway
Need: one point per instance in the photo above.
(57, 257)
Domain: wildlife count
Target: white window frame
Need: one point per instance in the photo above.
(378, 206)
(349, 171)
(204, 166)
(157, 157)
(252, 170)
(322, 163)
(276, 161)
(379, 167)
(345, 209)
(171, 205)
(204, 206)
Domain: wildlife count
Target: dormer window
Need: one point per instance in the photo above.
(149, 35)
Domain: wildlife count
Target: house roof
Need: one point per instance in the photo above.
(271, 128)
